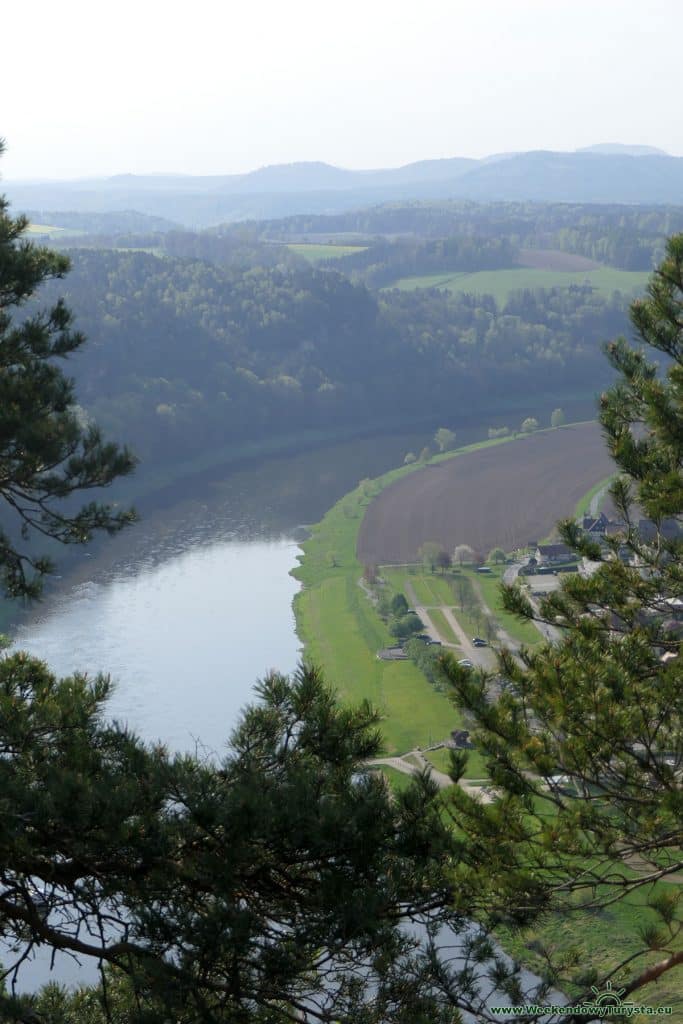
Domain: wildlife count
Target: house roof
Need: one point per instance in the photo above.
(554, 550)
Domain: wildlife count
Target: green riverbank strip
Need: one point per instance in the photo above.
(342, 632)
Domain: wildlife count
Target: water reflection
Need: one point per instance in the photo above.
(184, 633)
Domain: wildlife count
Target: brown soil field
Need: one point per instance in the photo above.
(555, 259)
(507, 495)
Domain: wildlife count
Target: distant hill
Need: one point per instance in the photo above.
(603, 173)
(577, 178)
(125, 221)
(619, 149)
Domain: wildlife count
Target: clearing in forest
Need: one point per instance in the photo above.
(500, 283)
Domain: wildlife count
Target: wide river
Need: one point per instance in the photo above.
(188, 608)
(184, 628)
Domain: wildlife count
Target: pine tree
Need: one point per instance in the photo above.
(46, 453)
(245, 890)
(585, 744)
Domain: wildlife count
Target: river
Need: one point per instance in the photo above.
(188, 608)
(184, 633)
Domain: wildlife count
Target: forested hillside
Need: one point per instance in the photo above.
(628, 237)
(185, 355)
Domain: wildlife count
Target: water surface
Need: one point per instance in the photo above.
(183, 635)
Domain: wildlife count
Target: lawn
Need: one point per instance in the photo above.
(588, 938)
(500, 283)
(489, 587)
(476, 766)
(342, 631)
(444, 628)
(397, 780)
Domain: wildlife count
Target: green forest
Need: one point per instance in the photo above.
(199, 339)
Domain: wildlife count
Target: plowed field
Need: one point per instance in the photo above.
(506, 495)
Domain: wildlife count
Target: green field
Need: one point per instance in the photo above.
(52, 230)
(500, 283)
(317, 253)
(397, 780)
(489, 587)
(444, 628)
(45, 229)
(342, 631)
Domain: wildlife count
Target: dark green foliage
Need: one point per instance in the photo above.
(384, 262)
(405, 625)
(47, 453)
(632, 238)
(185, 355)
(586, 740)
(237, 891)
(496, 555)
(399, 605)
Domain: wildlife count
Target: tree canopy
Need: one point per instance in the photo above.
(276, 882)
(47, 452)
(246, 890)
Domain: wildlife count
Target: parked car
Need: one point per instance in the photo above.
(466, 663)
(435, 643)
(483, 568)
(478, 642)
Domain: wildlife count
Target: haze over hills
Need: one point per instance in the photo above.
(619, 149)
(602, 173)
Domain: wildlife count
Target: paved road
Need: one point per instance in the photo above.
(549, 633)
(512, 572)
(480, 656)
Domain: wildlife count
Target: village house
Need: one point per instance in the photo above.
(547, 554)
(595, 525)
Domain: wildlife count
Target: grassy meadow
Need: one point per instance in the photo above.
(342, 631)
(37, 231)
(500, 283)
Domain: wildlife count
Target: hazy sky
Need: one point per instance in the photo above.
(211, 87)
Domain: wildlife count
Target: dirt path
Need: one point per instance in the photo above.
(480, 656)
(473, 653)
(401, 764)
(429, 626)
(502, 636)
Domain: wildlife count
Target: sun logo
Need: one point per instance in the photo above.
(607, 995)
